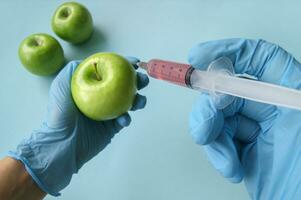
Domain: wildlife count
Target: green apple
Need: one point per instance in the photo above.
(72, 22)
(41, 54)
(104, 86)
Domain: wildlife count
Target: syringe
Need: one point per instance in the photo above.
(220, 81)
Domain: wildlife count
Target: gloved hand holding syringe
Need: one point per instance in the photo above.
(222, 83)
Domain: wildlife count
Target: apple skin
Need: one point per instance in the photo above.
(108, 92)
(41, 54)
(72, 22)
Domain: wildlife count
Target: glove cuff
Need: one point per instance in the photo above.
(49, 157)
(32, 174)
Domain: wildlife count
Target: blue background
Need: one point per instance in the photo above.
(155, 158)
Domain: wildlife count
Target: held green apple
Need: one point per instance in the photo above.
(41, 54)
(72, 22)
(104, 86)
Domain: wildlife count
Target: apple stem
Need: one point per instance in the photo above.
(96, 72)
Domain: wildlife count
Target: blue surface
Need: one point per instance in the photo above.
(155, 158)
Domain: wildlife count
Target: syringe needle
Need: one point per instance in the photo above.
(142, 65)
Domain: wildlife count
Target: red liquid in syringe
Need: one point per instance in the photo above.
(176, 73)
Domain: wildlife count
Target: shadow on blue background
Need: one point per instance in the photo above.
(96, 43)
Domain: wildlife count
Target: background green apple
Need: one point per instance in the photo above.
(72, 22)
(104, 86)
(41, 54)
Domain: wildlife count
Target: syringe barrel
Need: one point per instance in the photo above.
(173, 72)
(219, 82)
(203, 80)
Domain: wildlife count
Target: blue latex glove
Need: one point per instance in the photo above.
(67, 139)
(254, 142)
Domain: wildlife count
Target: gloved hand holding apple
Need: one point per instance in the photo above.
(67, 139)
(88, 104)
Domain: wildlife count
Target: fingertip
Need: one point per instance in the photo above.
(69, 68)
(132, 59)
(124, 120)
(63, 79)
(139, 102)
(142, 80)
(73, 64)
(233, 171)
(236, 179)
